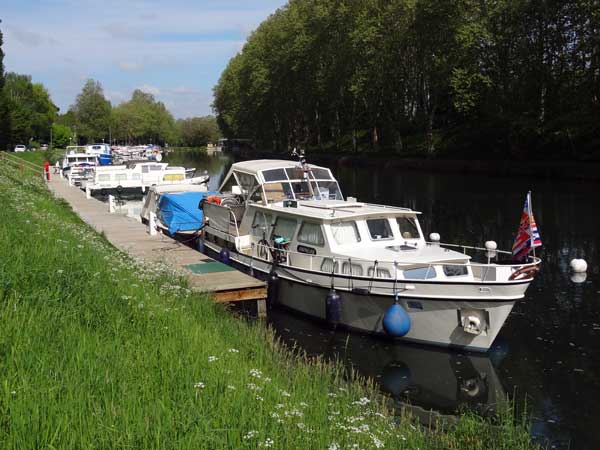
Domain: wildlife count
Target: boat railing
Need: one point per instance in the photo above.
(467, 247)
(359, 267)
(224, 218)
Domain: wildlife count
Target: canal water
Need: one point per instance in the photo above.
(548, 353)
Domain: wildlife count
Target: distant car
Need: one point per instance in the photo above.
(44, 147)
(20, 148)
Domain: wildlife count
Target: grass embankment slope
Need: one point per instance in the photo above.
(98, 351)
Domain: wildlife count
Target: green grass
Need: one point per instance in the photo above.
(98, 351)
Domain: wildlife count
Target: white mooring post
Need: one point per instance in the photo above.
(152, 224)
(111, 204)
(70, 180)
(88, 192)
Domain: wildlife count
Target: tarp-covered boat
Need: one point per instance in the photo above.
(178, 212)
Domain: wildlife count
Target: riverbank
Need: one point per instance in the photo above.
(103, 351)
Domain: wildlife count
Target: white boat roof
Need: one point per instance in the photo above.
(79, 155)
(175, 188)
(336, 210)
(258, 165)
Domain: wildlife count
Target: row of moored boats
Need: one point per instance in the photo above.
(363, 266)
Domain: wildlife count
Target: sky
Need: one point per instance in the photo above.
(173, 49)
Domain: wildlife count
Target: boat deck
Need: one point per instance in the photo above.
(204, 274)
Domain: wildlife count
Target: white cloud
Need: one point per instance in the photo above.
(130, 66)
(175, 50)
(149, 89)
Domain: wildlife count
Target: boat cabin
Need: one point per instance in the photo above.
(270, 181)
(269, 204)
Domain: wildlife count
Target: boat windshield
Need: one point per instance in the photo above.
(294, 184)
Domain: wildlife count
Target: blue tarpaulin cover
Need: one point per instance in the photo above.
(180, 212)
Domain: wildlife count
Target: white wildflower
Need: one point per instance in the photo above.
(233, 350)
(268, 443)
(362, 401)
(199, 385)
(255, 373)
(333, 446)
(212, 359)
(230, 387)
(250, 434)
(376, 442)
(285, 393)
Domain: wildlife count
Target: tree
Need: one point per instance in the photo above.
(92, 112)
(419, 76)
(5, 119)
(142, 119)
(61, 135)
(198, 131)
(31, 109)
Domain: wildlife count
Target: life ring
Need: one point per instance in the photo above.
(524, 273)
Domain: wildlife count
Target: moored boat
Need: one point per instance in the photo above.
(363, 266)
(140, 175)
(175, 207)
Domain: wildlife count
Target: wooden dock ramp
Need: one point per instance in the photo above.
(203, 273)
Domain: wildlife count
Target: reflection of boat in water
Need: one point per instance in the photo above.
(426, 378)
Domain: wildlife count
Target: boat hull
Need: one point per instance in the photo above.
(435, 309)
(434, 322)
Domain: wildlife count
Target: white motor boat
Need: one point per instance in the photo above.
(363, 266)
(137, 175)
(77, 166)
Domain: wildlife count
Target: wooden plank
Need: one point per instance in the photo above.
(240, 295)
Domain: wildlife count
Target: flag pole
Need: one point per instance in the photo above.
(530, 207)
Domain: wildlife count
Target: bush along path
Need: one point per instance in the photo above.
(98, 351)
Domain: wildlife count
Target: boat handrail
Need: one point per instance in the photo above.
(389, 207)
(465, 247)
(532, 261)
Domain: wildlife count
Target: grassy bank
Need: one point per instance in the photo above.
(99, 351)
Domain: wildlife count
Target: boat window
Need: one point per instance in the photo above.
(381, 272)
(136, 176)
(104, 177)
(329, 266)
(422, 273)
(352, 269)
(408, 227)
(274, 175)
(284, 227)
(345, 233)
(276, 192)
(380, 229)
(455, 271)
(310, 233)
(155, 168)
(261, 224)
(145, 169)
(326, 190)
(301, 190)
(295, 173)
(320, 174)
(120, 177)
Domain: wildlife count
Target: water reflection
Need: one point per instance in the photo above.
(553, 335)
(421, 376)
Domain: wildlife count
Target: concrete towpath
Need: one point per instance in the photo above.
(204, 274)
